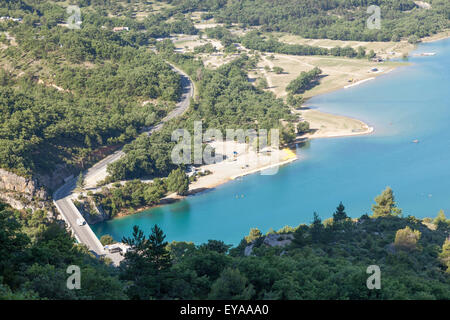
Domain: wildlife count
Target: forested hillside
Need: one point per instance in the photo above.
(70, 96)
(323, 260)
(336, 19)
(226, 100)
(65, 93)
(71, 92)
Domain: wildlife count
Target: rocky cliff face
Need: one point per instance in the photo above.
(271, 240)
(55, 179)
(12, 182)
(21, 192)
(90, 211)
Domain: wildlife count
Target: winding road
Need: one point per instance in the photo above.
(62, 196)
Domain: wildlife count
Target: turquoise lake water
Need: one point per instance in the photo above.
(409, 103)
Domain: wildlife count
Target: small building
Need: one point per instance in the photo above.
(3, 18)
(117, 247)
(117, 29)
(377, 59)
(190, 171)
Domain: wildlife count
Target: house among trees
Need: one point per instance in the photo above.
(10, 18)
(116, 29)
(377, 59)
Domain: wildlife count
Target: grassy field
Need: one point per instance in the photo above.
(337, 71)
(213, 60)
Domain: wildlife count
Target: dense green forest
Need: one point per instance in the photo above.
(227, 100)
(71, 92)
(335, 19)
(70, 96)
(304, 81)
(135, 194)
(106, 14)
(325, 260)
(65, 93)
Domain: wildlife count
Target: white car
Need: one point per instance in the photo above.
(81, 222)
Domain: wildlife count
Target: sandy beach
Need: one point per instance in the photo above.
(326, 125)
(240, 160)
(248, 161)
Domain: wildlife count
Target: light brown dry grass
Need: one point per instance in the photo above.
(337, 71)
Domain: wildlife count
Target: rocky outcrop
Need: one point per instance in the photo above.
(11, 199)
(248, 250)
(93, 218)
(271, 240)
(12, 182)
(21, 201)
(22, 192)
(278, 240)
(30, 192)
(55, 179)
(90, 211)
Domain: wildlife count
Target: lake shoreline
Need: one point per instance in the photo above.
(198, 188)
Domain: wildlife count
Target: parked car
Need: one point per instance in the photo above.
(115, 249)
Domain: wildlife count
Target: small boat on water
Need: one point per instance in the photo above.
(416, 141)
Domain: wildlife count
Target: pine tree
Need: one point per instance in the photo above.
(147, 264)
(159, 255)
(262, 83)
(407, 239)
(316, 228)
(340, 214)
(445, 254)
(385, 204)
(302, 236)
(440, 221)
(178, 182)
(253, 235)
